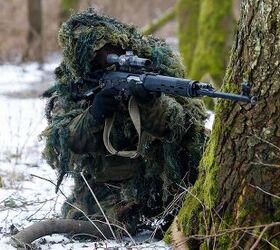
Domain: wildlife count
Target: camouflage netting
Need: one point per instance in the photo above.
(164, 161)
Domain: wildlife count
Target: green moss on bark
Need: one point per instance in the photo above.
(276, 203)
(201, 199)
(225, 240)
(167, 237)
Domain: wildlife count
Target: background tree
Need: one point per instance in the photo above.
(34, 46)
(156, 24)
(235, 202)
(65, 8)
(187, 33)
(205, 31)
(214, 40)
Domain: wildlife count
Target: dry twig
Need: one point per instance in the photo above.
(97, 202)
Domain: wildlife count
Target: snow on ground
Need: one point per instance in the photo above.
(209, 122)
(27, 195)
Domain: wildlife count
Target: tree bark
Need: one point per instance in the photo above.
(235, 203)
(34, 46)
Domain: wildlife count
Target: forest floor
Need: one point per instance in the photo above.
(27, 194)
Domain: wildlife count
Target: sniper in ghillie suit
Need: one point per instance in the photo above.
(166, 145)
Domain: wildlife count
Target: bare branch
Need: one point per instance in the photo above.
(273, 195)
(159, 22)
(269, 143)
(259, 238)
(97, 202)
(228, 231)
(265, 164)
(45, 179)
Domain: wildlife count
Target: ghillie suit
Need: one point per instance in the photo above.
(173, 129)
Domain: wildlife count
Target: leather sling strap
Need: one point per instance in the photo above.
(134, 113)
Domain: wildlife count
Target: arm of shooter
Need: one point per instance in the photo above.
(165, 117)
(85, 133)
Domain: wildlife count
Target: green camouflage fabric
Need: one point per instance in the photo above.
(173, 133)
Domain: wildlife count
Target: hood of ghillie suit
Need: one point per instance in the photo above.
(87, 32)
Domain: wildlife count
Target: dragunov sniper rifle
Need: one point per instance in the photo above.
(140, 70)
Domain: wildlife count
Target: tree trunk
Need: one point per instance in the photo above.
(214, 41)
(66, 6)
(205, 31)
(187, 13)
(34, 46)
(235, 203)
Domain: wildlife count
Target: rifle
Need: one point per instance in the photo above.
(132, 69)
(140, 70)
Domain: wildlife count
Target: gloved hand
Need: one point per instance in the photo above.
(104, 105)
(141, 95)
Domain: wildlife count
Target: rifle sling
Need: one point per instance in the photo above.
(134, 113)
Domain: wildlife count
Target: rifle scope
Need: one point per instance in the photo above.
(129, 59)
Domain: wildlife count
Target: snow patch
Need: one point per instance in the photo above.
(210, 120)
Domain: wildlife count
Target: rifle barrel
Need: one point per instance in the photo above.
(217, 94)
